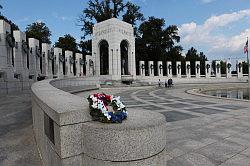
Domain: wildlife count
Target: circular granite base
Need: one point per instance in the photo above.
(141, 136)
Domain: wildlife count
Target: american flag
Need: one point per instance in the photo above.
(246, 47)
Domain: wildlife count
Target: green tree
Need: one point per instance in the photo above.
(245, 67)
(86, 47)
(101, 10)
(40, 31)
(192, 56)
(67, 42)
(155, 41)
(223, 66)
(1, 7)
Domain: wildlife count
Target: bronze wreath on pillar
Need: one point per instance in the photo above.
(61, 58)
(143, 66)
(51, 55)
(218, 65)
(38, 52)
(229, 65)
(71, 60)
(82, 62)
(10, 40)
(25, 46)
(91, 63)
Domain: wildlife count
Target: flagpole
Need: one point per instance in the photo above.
(248, 65)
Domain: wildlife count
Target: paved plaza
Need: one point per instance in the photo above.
(200, 130)
(17, 142)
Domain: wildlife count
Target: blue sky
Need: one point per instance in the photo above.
(217, 27)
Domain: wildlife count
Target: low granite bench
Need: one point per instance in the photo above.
(66, 135)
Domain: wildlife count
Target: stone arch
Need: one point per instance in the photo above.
(104, 57)
(124, 49)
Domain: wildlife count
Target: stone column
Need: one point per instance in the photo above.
(35, 57)
(20, 53)
(169, 69)
(240, 94)
(46, 61)
(7, 43)
(188, 69)
(79, 64)
(197, 69)
(151, 68)
(69, 62)
(160, 68)
(142, 68)
(178, 69)
(208, 68)
(58, 63)
(228, 69)
(89, 65)
(218, 69)
(239, 68)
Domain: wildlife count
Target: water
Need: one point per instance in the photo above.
(240, 93)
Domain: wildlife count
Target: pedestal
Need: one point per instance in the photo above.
(151, 68)
(169, 69)
(69, 62)
(218, 69)
(228, 69)
(160, 68)
(208, 68)
(141, 68)
(239, 68)
(178, 69)
(188, 69)
(197, 69)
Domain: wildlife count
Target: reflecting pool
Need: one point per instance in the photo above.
(240, 93)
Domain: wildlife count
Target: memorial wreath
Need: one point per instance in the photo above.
(107, 108)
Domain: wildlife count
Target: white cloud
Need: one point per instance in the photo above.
(207, 1)
(24, 19)
(202, 36)
(62, 18)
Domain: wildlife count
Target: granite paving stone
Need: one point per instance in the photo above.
(230, 107)
(191, 159)
(238, 160)
(176, 116)
(177, 105)
(221, 151)
(202, 103)
(207, 111)
(246, 152)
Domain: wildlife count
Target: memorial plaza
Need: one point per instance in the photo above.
(126, 93)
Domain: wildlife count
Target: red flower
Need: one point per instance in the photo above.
(108, 98)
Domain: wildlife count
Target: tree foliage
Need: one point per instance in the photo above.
(1, 7)
(245, 67)
(101, 10)
(155, 42)
(192, 55)
(86, 47)
(67, 42)
(40, 31)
